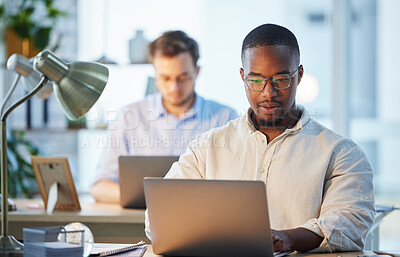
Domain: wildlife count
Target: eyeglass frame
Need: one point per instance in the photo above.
(188, 78)
(270, 78)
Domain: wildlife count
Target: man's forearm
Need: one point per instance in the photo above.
(299, 239)
(106, 191)
(304, 240)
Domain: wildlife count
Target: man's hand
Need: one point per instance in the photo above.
(299, 239)
(106, 191)
(281, 240)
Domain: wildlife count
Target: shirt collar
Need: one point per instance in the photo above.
(159, 105)
(305, 117)
(249, 122)
(197, 107)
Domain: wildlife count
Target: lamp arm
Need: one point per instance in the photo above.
(3, 156)
(9, 92)
(31, 93)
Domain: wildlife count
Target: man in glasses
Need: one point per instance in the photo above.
(164, 123)
(319, 184)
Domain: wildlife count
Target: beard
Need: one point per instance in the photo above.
(278, 122)
(275, 121)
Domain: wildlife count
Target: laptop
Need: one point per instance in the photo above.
(132, 170)
(208, 217)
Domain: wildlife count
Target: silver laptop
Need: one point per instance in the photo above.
(208, 217)
(132, 171)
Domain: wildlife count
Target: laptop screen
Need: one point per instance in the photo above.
(132, 171)
(208, 217)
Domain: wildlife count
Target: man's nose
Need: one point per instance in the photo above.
(173, 84)
(269, 90)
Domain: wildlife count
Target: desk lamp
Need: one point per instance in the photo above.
(30, 78)
(77, 87)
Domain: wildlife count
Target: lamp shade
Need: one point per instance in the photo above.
(30, 78)
(77, 86)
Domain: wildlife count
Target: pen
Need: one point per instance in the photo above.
(386, 253)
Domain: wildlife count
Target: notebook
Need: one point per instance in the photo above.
(133, 250)
(208, 217)
(132, 170)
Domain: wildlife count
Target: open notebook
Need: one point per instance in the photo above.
(126, 250)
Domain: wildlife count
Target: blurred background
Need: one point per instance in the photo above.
(349, 50)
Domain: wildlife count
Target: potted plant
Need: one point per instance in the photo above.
(28, 25)
(21, 178)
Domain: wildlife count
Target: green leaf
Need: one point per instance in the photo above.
(21, 178)
(22, 19)
(2, 11)
(22, 25)
(42, 37)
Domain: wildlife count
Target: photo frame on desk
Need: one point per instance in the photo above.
(50, 170)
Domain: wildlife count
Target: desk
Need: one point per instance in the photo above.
(109, 223)
(149, 253)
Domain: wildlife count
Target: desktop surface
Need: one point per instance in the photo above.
(109, 223)
(149, 253)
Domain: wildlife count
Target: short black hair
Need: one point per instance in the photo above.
(173, 43)
(271, 35)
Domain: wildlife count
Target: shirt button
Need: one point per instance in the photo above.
(263, 141)
(261, 170)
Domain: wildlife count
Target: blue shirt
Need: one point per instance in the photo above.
(146, 128)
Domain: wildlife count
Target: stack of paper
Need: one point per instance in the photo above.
(47, 249)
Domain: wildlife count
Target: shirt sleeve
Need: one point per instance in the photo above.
(113, 146)
(232, 115)
(189, 166)
(347, 209)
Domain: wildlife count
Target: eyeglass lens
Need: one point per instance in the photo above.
(278, 82)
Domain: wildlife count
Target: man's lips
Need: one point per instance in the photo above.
(269, 105)
(269, 108)
(175, 95)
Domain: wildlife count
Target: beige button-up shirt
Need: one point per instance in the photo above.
(314, 178)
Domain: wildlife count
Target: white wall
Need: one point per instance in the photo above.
(388, 52)
(388, 90)
(226, 23)
(218, 25)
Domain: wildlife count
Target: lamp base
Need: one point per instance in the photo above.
(9, 246)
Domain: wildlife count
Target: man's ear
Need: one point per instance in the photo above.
(197, 71)
(300, 74)
(242, 73)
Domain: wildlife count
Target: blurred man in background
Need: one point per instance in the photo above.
(164, 123)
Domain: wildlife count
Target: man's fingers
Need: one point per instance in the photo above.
(278, 245)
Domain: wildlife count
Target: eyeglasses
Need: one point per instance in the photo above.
(184, 79)
(280, 81)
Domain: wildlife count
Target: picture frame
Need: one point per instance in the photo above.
(50, 170)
